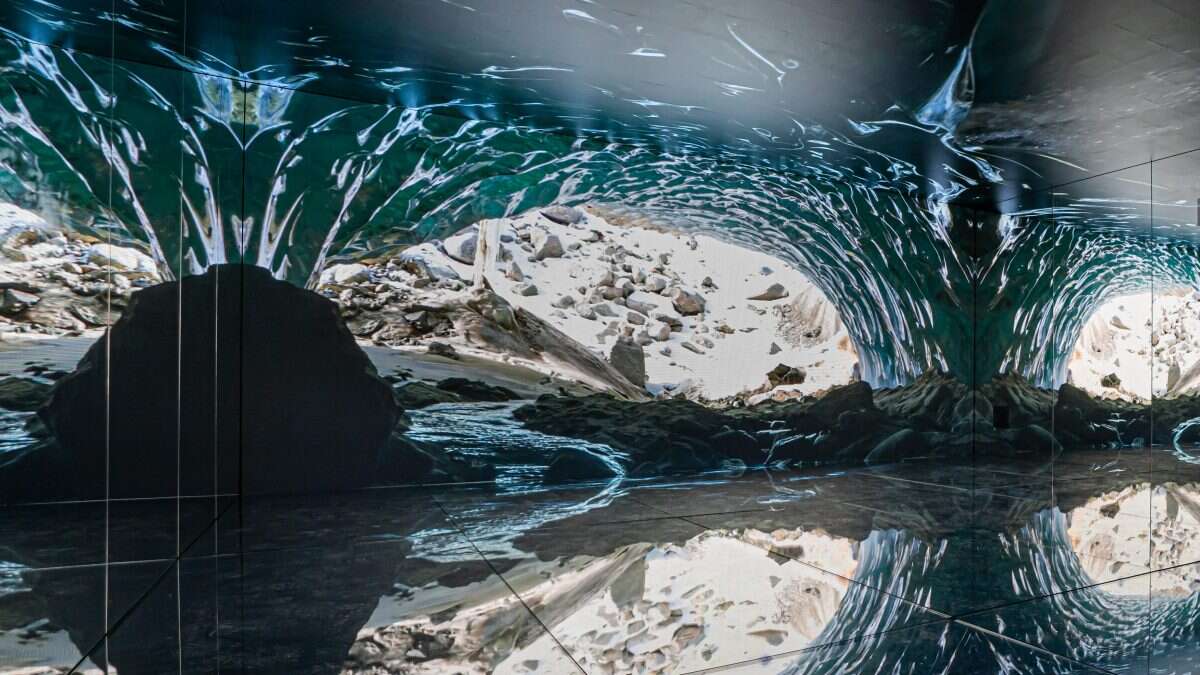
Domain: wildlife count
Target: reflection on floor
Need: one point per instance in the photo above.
(1089, 563)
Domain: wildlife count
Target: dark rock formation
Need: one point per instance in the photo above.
(665, 436)
(476, 391)
(573, 466)
(23, 394)
(230, 380)
(903, 444)
(414, 395)
(1081, 420)
(405, 461)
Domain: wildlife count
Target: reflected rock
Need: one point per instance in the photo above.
(223, 372)
(666, 604)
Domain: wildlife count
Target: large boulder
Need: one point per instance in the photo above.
(262, 379)
(461, 245)
(563, 215)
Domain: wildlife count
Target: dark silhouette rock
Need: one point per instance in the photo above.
(230, 380)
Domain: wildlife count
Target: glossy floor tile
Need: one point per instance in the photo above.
(880, 569)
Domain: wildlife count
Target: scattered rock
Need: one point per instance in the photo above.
(655, 283)
(546, 246)
(783, 374)
(708, 283)
(773, 292)
(687, 302)
(635, 318)
(346, 274)
(660, 331)
(1110, 380)
(14, 301)
(461, 246)
(563, 215)
(525, 289)
(563, 302)
(120, 258)
(442, 349)
(692, 348)
(86, 315)
(640, 302)
(514, 272)
(427, 261)
(775, 349)
(673, 321)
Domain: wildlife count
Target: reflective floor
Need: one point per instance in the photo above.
(1088, 563)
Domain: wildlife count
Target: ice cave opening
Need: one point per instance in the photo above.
(1140, 346)
(713, 320)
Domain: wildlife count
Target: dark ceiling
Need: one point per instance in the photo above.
(1021, 101)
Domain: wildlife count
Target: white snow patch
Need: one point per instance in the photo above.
(733, 335)
(1122, 338)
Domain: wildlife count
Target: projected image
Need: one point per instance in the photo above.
(429, 360)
